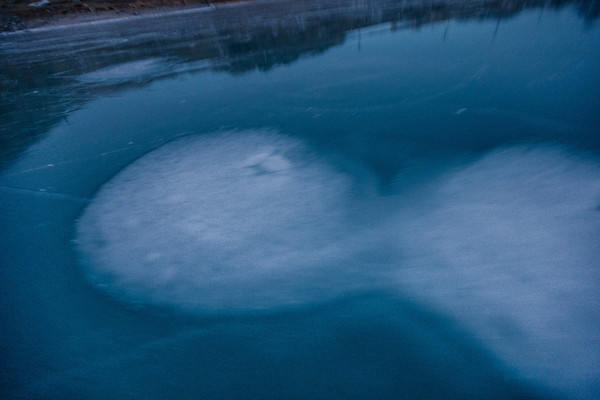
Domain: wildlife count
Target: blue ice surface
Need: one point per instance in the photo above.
(451, 173)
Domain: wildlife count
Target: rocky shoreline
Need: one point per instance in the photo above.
(19, 15)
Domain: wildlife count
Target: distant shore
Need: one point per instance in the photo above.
(17, 15)
(20, 15)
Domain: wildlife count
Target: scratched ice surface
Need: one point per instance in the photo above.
(304, 200)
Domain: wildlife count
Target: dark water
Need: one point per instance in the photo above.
(357, 199)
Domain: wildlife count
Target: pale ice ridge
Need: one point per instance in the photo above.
(509, 246)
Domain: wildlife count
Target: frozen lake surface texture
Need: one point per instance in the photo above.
(304, 200)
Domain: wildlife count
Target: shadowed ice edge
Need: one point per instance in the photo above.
(255, 220)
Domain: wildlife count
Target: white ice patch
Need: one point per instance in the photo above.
(510, 247)
(507, 246)
(234, 221)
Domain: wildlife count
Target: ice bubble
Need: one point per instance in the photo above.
(232, 221)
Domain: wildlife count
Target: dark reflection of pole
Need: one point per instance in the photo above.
(590, 9)
(496, 30)
(446, 30)
(591, 12)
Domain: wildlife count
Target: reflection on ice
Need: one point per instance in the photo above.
(127, 72)
(506, 246)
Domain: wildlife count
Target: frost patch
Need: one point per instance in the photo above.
(242, 221)
(509, 247)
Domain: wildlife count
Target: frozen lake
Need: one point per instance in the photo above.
(303, 200)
